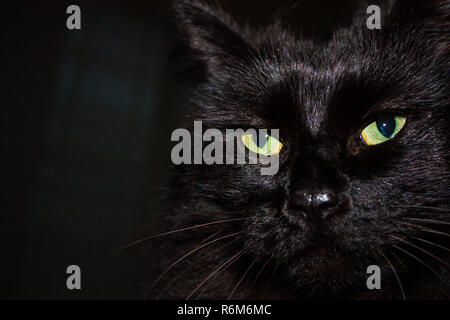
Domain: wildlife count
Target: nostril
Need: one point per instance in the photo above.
(314, 199)
(302, 199)
(315, 203)
(325, 199)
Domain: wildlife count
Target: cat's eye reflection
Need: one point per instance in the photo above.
(265, 145)
(383, 129)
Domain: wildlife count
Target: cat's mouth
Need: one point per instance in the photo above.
(319, 251)
(321, 260)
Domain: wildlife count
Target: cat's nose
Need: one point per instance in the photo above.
(317, 205)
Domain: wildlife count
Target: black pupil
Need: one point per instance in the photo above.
(260, 141)
(386, 125)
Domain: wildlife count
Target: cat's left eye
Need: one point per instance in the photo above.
(266, 145)
(383, 129)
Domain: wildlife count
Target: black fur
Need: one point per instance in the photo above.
(320, 94)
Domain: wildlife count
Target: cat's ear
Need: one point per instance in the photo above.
(212, 34)
(428, 18)
(421, 11)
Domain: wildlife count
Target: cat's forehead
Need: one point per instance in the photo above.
(345, 80)
(314, 88)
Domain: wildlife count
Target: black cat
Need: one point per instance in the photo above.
(364, 164)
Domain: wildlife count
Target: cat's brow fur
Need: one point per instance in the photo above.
(320, 94)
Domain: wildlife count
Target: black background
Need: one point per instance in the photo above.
(86, 117)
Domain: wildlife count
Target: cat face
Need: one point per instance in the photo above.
(364, 123)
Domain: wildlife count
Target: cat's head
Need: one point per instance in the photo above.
(364, 125)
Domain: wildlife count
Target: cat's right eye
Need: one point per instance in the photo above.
(383, 129)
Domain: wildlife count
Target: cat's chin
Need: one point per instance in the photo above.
(320, 261)
(322, 269)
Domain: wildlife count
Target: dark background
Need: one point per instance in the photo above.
(86, 118)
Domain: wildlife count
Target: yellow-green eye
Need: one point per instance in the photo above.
(266, 145)
(383, 129)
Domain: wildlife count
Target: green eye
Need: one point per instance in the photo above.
(383, 129)
(268, 145)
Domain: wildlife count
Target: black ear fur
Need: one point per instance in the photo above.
(430, 18)
(420, 11)
(211, 33)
